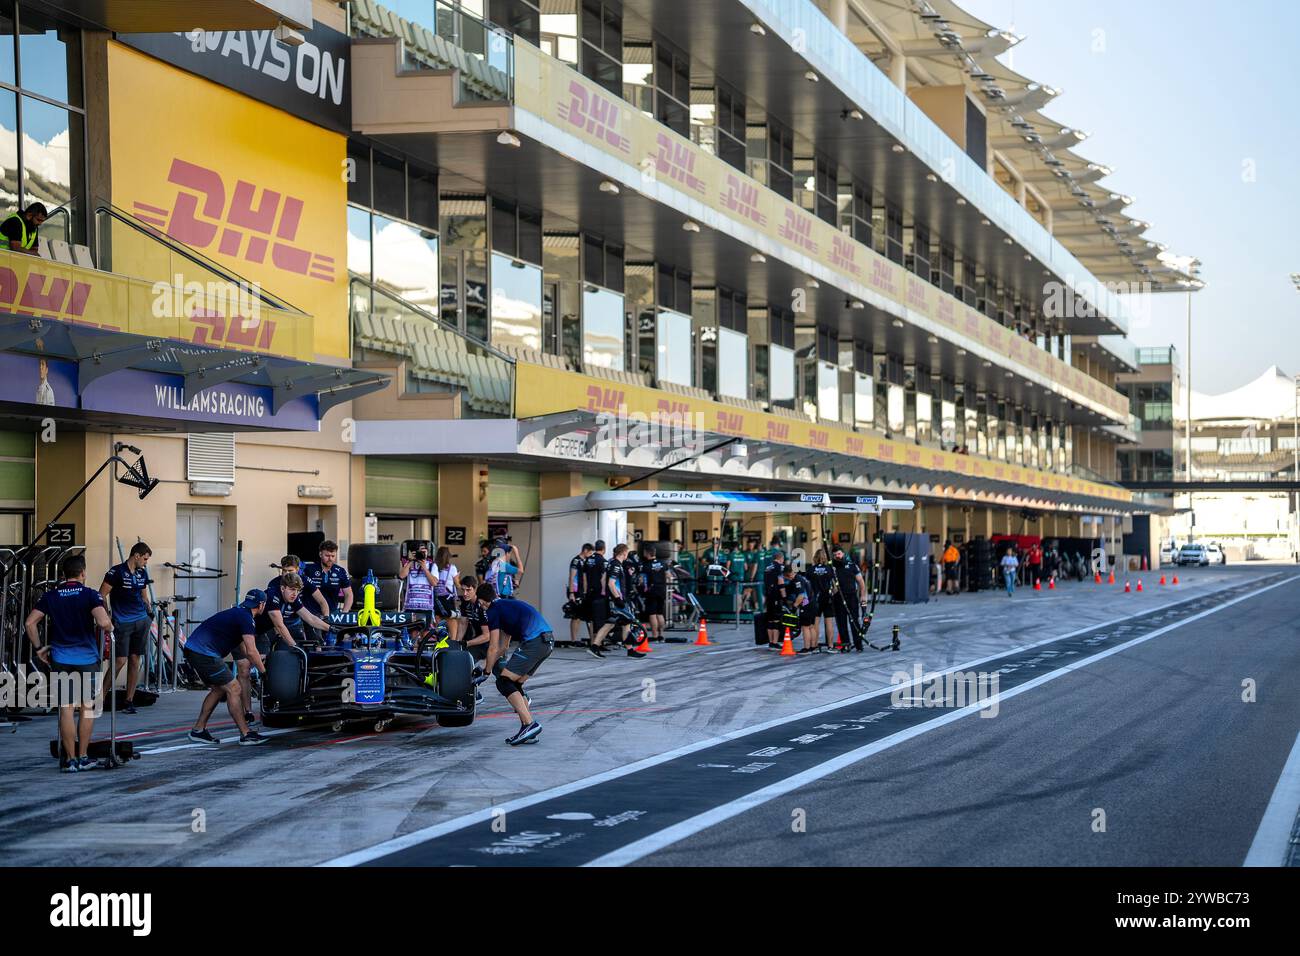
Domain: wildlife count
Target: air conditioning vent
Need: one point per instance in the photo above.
(210, 457)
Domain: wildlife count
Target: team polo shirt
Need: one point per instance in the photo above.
(275, 602)
(515, 618)
(72, 635)
(223, 632)
(331, 583)
(128, 593)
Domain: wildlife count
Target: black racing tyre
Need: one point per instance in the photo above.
(383, 559)
(455, 720)
(389, 597)
(285, 672)
(456, 676)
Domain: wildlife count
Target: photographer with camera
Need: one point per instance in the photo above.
(417, 572)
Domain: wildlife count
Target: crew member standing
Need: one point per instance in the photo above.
(951, 567)
(126, 586)
(573, 590)
(330, 578)
(851, 596)
(774, 597)
(73, 656)
(595, 607)
(654, 575)
(822, 578)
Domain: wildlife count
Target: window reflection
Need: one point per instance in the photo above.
(782, 375)
(52, 136)
(602, 328)
(406, 262)
(828, 391)
(864, 399)
(516, 303)
(673, 348)
(359, 242)
(733, 363)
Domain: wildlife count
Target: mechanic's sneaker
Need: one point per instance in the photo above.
(203, 737)
(69, 766)
(128, 708)
(252, 739)
(88, 763)
(633, 652)
(596, 652)
(478, 696)
(525, 734)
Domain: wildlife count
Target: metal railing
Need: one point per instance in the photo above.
(21, 585)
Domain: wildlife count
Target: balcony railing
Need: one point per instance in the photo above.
(386, 323)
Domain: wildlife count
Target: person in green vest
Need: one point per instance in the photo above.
(18, 232)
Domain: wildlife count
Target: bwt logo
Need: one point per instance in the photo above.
(44, 296)
(201, 212)
(677, 162)
(595, 114)
(75, 909)
(742, 199)
(797, 230)
(844, 255)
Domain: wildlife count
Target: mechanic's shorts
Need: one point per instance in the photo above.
(528, 656)
(807, 615)
(952, 571)
(654, 604)
(74, 685)
(599, 611)
(213, 671)
(131, 637)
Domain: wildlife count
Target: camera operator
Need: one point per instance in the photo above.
(417, 571)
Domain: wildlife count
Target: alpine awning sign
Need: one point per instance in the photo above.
(310, 81)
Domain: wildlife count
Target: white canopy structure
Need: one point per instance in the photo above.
(789, 502)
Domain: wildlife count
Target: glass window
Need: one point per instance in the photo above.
(52, 138)
(422, 197)
(516, 303)
(602, 328)
(359, 183)
(673, 348)
(7, 43)
(864, 399)
(8, 150)
(50, 57)
(406, 262)
(733, 363)
(781, 387)
(828, 391)
(359, 242)
(896, 409)
(390, 185)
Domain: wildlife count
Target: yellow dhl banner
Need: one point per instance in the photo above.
(258, 191)
(196, 313)
(560, 95)
(541, 391)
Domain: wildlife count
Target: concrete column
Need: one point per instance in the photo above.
(838, 13)
(463, 502)
(898, 71)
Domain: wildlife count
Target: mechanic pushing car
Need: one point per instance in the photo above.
(224, 632)
(329, 578)
(281, 621)
(507, 619)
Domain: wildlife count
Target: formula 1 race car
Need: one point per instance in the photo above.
(369, 670)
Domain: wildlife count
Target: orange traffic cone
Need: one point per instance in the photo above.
(1162, 579)
(787, 646)
(1111, 579)
(703, 639)
(1139, 585)
(1038, 585)
(1051, 584)
(1175, 579)
(1127, 589)
(1097, 578)
(644, 647)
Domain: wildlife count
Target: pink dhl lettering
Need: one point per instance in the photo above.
(854, 446)
(594, 115)
(882, 276)
(731, 423)
(916, 294)
(819, 438)
(245, 228)
(45, 295)
(844, 255)
(604, 399)
(797, 230)
(677, 162)
(742, 199)
(778, 431)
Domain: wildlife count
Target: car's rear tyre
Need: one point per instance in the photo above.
(285, 669)
(456, 676)
(383, 559)
(455, 720)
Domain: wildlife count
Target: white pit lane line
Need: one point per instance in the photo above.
(664, 838)
(1273, 838)
(416, 837)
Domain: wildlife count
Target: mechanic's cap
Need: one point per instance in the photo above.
(253, 598)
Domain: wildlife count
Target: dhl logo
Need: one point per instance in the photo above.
(778, 431)
(854, 446)
(797, 230)
(201, 213)
(885, 451)
(947, 314)
(212, 328)
(819, 438)
(844, 255)
(742, 199)
(916, 293)
(973, 325)
(677, 162)
(595, 115)
(913, 457)
(605, 399)
(52, 297)
(731, 423)
(937, 461)
(882, 276)
(678, 409)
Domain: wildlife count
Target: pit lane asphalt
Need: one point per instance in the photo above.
(310, 796)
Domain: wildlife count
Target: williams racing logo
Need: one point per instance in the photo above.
(237, 223)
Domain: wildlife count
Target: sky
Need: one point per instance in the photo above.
(1194, 106)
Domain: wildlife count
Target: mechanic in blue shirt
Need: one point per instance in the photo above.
(73, 655)
(329, 578)
(126, 586)
(282, 620)
(232, 630)
(508, 619)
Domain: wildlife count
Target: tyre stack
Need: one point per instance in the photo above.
(979, 564)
